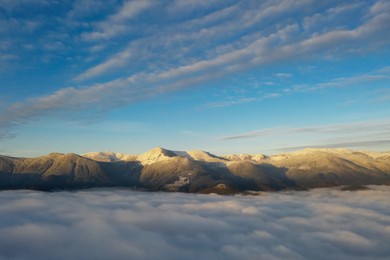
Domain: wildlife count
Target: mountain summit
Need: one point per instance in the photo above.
(155, 155)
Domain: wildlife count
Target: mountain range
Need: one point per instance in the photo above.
(197, 171)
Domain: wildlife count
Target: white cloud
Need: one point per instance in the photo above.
(123, 224)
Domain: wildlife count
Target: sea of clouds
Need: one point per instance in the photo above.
(125, 224)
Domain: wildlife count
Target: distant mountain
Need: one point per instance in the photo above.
(256, 158)
(109, 156)
(197, 171)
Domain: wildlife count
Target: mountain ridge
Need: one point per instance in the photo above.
(197, 171)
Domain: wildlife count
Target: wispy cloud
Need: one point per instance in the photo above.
(384, 95)
(255, 48)
(373, 76)
(117, 23)
(367, 128)
(231, 102)
(283, 75)
(183, 53)
(272, 95)
(341, 144)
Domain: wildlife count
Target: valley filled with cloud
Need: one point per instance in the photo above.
(123, 224)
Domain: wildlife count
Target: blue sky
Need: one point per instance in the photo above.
(222, 76)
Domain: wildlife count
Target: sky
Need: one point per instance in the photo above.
(123, 224)
(222, 76)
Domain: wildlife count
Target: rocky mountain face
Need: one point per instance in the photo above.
(197, 171)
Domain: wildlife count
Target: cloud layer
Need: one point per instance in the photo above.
(123, 224)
